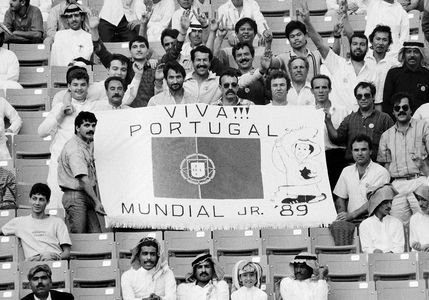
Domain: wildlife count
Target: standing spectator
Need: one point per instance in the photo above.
(300, 91)
(381, 233)
(357, 7)
(279, 84)
(228, 83)
(43, 237)
(188, 6)
(419, 235)
(74, 42)
(403, 151)
(352, 186)
(149, 276)
(412, 77)
(25, 22)
(115, 90)
(77, 178)
(162, 11)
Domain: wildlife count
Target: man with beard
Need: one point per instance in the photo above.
(228, 83)
(74, 42)
(404, 152)
(204, 282)
(174, 75)
(412, 77)
(300, 91)
(40, 279)
(149, 277)
(279, 84)
(345, 74)
(77, 178)
(308, 281)
(115, 91)
(381, 232)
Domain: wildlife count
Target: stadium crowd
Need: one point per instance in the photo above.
(373, 89)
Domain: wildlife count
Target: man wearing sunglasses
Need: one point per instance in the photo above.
(228, 83)
(367, 120)
(404, 152)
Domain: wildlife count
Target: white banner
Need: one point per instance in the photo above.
(213, 167)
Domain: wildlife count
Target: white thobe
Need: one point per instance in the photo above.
(7, 111)
(419, 224)
(114, 10)
(160, 19)
(303, 289)
(70, 44)
(218, 290)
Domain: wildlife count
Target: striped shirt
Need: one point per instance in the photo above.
(399, 149)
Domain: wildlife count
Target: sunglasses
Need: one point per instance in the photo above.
(227, 85)
(363, 96)
(404, 107)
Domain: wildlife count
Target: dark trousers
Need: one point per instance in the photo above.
(111, 33)
(336, 163)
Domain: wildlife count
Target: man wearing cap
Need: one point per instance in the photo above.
(419, 222)
(308, 281)
(149, 277)
(381, 233)
(74, 42)
(204, 282)
(40, 278)
(412, 77)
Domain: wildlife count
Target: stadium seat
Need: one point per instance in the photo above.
(60, 275)
(316, 7)
(358, 23)
(187, 243)
(6, 215)
(401, 290)
(9, 276)
(352, 291)
(125, 241)
(423, 260)
(31, 121)
(124, 264)
(277, 24)
(94, 273)
(323, 24)
(28, 99)
(237, 242)
(280, 45)
(285, 241)
(228, 262)
(31, 170)
(25, 210)
(180, 266)
(8, 249)
(322, 242)
(97, 293)
(275, 7)
(9, 295)
(22, 194)
(415, 23)
(119, 48)
(31, 54)
(90, 246)
(34, 77)
(346, 267)
(94, 5)
(393, 266)
(100, 72)
(279, 267)
(31, 146)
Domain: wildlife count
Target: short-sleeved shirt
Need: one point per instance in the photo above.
(75, 160)
(32, 20)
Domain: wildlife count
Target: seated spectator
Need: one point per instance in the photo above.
(9, 67)
(40, 279)
(119, 20)
(77, 178)
(25, 23)
(43, 237)
(308, 281)
(58, 22)
(419, 236)
(381, 233)
(7, 189)
(204, 282)
(279, 84)
(352, 186)
(115, 90)
(162, 11)
(410, 5)
(174, 75)
(228, 83)
(149, 276)
(247, 280)
(15, 123)
(300, 91)
(74, 42)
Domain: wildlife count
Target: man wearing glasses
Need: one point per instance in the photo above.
(228, 83)
(366, 120)
(404, 152)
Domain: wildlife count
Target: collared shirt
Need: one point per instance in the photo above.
(48, 298)
(303, 97)
(399, 149)
(31, 21)
(314, 61)
(386, 235)
(419, 224)
(374, 125)
(106, 105)
(307, 289)
(207, 91)
(392, 15)
(114, 10)
(165, 98)
(350, 186)
(344, 79)
(70, 44)
(250, 9)
(214, 290)
(402, 79)
(160, 19)
(76, 159)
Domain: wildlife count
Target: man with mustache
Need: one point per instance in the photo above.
(43, 237)
(204, 282)
(345, 74)
(279, 84)
(381, 232)
(149, 277)
(115, 91)
(412, 77)
(77, 178)
(40, 278)
(300, 91)
(403, 151)
(228, 83)
(74, 42)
